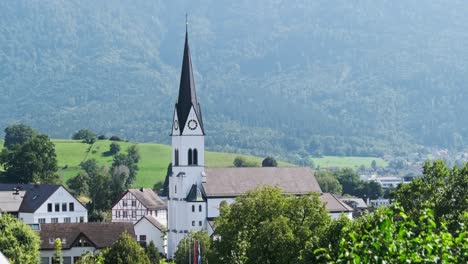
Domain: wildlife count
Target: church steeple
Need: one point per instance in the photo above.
(187, 95)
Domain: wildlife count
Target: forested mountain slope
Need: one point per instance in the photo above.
(273, 77)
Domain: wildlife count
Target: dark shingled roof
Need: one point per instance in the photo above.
(101, 235)
(148, 198)
(333, 204)
(36, 194)
(187, 95)
(231, 182)
(154, 222)
(195, 194)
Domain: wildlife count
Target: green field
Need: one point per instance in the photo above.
(347, 162)
(152, 165)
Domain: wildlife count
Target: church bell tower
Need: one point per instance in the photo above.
(186, 205)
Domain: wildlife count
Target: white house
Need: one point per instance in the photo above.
(79, 238)
(41, 203)
(147, 229)
(195, 192)
(136, 203)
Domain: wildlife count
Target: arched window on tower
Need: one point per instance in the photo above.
(195, 156)
(176, 157)
(190, 161)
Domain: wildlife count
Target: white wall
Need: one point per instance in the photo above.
(59, 196)
(213, 205)
(73, 252)
(144, 227)
(336, 215)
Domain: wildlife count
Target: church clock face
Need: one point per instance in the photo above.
(192, 124)
(176, 124)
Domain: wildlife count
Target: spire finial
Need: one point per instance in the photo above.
(186, 22)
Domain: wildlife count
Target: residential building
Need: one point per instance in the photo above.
(41, 203)
(79, 238)
(136, 203)
(148, 229)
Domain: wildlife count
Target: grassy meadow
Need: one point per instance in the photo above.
(347, 162)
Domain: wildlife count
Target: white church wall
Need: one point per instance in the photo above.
(213, 205)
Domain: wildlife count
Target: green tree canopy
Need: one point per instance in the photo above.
(391, 236)
(126, 250)
(328, 182)
(269, 162)
(114, 148)
(266, 226)
(442, 189)
(18, 242)
(79, 184)
(240, 161)
(18, 135)
(152, 252)
(34, 161)
(86, 135)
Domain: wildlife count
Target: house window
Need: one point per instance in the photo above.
(67, 219)
(195, 157)
(199, 208)
(45, 260)
(199, 223)
(190, 161)
(49, 207)
(193, 208)
(71, 207)
(193, 223)
(57, 207)
(175, 189)
(142, 237)
(133, 203)
(81, 219)
(64, 207)
(66, 260)
(54, 220)
(118, 214)
(124, 214)
(124, 203)
(133, 214)
(41, 220)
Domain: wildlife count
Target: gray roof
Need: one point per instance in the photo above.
(333, 204)
(100, 235)
(187, 94)
(36, 194)
(148, 198)
(231, 182)
(11, 202)
(351, 201)
(154, 222)
(195, 194)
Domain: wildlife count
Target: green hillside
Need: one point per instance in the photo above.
(152, 166)
(347, 162)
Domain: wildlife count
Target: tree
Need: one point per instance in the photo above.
(90, 257)
(99, 191)
(18, 135)
(90, 166)
(18, 242)
(391, 236)
(126, 160)
(86, 135)
(33, 161)
(114, 148)
(126, 251)
(328, 182)
(266, 226)
(133, 153)
(441, 189)
(79, 184)
(349, 179)
(186, 247)
(152, 252)
(240, 161)
(371, 190)
(269, 162)
(57, 258)
(374, 165)
(115, 138)
(119, 179)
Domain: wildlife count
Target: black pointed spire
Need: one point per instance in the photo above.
(187, 95)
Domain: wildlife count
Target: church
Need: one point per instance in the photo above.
(195, 192)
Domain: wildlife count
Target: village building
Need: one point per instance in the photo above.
(195, 192)
(41, 203)
(79, 238)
